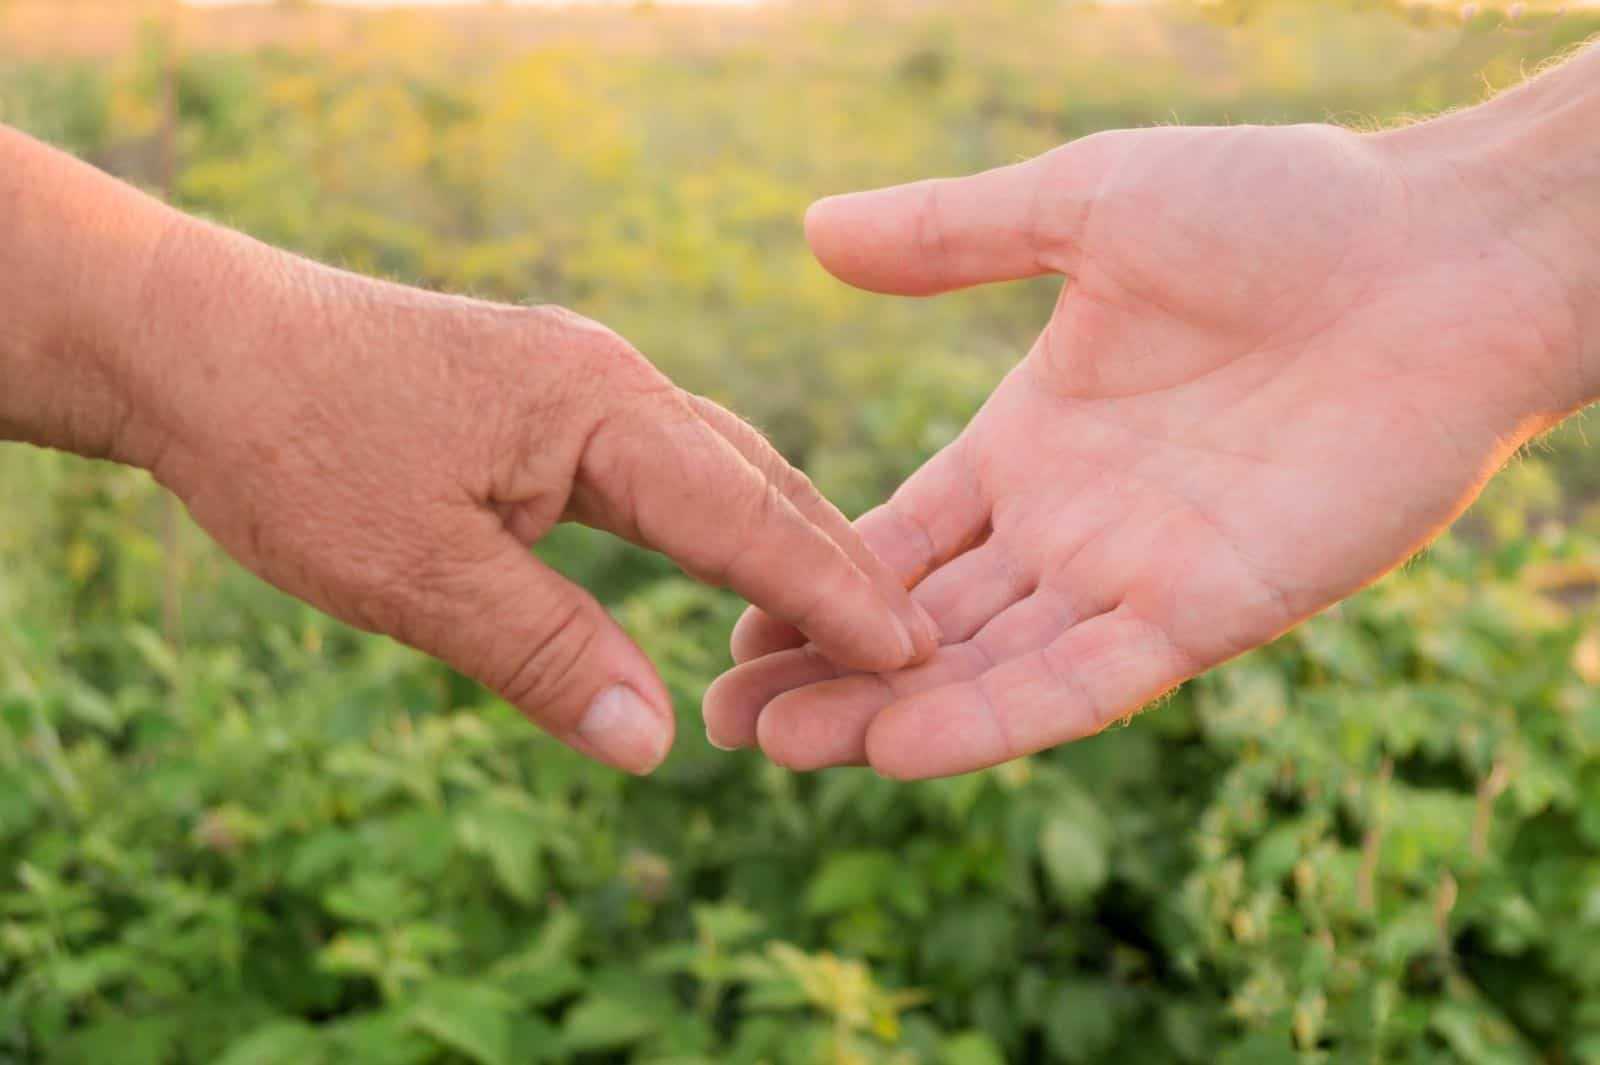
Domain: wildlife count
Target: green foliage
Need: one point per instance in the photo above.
(1376, 840)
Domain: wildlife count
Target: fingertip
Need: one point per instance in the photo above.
(734, 701)
(929, 636)
(623, 729)
(725, 749)
(819, 223)
(853, 236)
(727, 727)
(769, 739)
(772, 739)
(940, 733)
(820, 726)
(795, 737)
(887, 755)
(889, 649)
(892, 775)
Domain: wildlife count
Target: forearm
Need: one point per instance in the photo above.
(77, 248)
(1530, 160)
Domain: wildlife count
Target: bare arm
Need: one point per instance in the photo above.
(389, 454)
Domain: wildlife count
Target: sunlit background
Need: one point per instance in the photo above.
(231, 830)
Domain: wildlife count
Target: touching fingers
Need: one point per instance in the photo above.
(735, 700)
(827, 724)
(816, 508)
(938, 513)
(965, 709)
(669, 480)
(808, 714)
(963, 597)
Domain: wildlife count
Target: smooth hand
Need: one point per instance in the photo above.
(1285, 359)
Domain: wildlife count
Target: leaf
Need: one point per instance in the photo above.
(1074, 858)
(850, 879)
(127, 1041)
(278, 1043)
(379, 1039)
(474, 1020)
(970, 1048)
(1477, 1035)
(1341, 648)
(970, 944)
(1082, 1022)
(156, 652)
(417, 844)
(505, 835)
(374, 898)
(533, 1040)
(1261, 1048)
(605, 1023)
(1276, 853)
(91, 707)
(726, 924)
(539, 985)
(352, 952)
(321, 855)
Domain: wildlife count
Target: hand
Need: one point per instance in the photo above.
(1286, 359)
(388, 455)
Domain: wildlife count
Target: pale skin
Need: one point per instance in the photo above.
(1284, 360)
(389, 454)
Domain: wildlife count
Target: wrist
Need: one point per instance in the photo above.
(206, 304)
(77, 247)
(1523, 172)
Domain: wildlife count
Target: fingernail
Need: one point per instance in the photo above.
(712, 740)
(930, 628)
(908, 644)
(622, 728)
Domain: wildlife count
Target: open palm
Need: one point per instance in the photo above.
(1285, 360)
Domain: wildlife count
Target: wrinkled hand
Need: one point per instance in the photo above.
(388, 455)
(1285, 360)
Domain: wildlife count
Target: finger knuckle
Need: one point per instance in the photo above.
(541, 676)
(839, 582)
(726, 553)
(760, 509)
(553, 326)
(799, 487)
(634, 449)
(592, 357)
(757, 448)
(931, 234)
(615, 364)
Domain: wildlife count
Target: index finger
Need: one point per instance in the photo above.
(677, 485)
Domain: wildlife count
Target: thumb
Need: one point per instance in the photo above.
(546, 646)
(934, 236)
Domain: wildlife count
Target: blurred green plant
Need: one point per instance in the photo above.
(1376, 840)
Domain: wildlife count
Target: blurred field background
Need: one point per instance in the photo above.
(231, 830)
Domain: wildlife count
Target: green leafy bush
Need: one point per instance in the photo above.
(1376, 840)
(253, 837)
